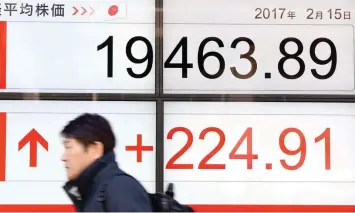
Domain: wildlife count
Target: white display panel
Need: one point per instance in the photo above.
(238, 47)
(209, 133)
(95, 46)
(24, 184)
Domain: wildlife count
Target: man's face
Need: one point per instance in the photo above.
(76, 157)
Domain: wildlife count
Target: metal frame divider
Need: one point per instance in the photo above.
(159, 91)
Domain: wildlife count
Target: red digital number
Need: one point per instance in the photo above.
(222, 139)
(171, 163)
(301, 148)
(326, 136)
(249, 156)
(203, 164)
(248, 135)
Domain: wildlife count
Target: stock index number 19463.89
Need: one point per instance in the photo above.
(202, 56)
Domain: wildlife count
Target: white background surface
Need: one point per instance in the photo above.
(236, 184)
(25, 185)
(62, 56)
(230, 19)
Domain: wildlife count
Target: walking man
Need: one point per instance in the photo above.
(95, 182)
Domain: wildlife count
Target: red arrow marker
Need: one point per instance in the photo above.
(3, 34)
(84, 11)
(2, 146)
(92, 11)
(75, 11)
(33, 137)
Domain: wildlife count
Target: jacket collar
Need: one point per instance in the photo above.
(94, 173)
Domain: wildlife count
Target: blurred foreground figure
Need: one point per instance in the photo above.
(95, 182)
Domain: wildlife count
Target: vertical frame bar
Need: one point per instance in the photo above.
(159, 158)
(159, 152)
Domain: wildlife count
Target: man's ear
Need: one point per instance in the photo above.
(97, 149)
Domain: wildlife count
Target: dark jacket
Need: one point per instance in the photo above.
(123, 193)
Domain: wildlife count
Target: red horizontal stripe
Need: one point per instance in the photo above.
(274, 208)
(36, 208)
(198, 208)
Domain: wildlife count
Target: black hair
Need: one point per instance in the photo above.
(88, 128)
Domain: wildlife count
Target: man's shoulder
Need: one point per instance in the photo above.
(124, 180)
(125, 183)
(127, 194)
(115, 176)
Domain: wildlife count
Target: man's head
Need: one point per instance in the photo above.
(86, 138)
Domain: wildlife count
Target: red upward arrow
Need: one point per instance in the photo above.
(33, 137)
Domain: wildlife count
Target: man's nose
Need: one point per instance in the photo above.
(63, 157)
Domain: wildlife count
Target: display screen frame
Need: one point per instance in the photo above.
(160, 98)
